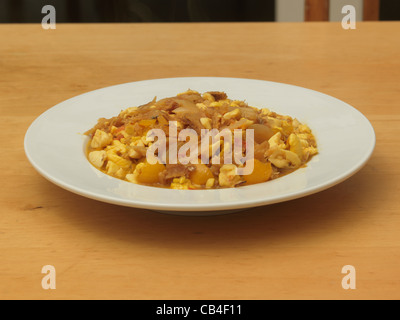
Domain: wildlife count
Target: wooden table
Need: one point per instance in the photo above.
(292, 250)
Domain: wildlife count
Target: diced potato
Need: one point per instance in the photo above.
(122, 162)
(131, 178)
(137, 141)
(100, 139)
(97, 158)
(120, 173)
(119, 146)
(112, 167)
(137, 152)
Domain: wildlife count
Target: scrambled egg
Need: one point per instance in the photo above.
(118, 146)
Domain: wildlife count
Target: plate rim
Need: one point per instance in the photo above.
(237, 204)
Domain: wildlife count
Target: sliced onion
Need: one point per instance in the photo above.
(185, 106)
(248, 113)
(261, 132)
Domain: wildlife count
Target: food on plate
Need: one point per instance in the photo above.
(199, 141)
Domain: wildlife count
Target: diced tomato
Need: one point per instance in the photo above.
(118, 137)
(120, 128)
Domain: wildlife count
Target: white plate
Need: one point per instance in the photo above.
(54, 144)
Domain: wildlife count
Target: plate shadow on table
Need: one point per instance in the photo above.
(328, 211)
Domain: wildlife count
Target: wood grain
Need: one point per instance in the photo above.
(290, 250)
